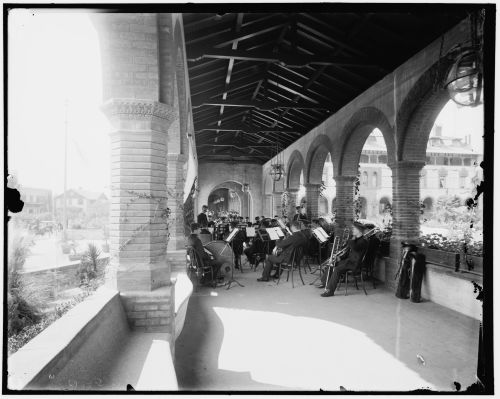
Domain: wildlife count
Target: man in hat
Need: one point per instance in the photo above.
(202, 217)
(350, 261)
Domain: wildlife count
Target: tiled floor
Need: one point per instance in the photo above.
(274, 337)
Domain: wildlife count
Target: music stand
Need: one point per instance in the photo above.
(229, 240)
(321, 236)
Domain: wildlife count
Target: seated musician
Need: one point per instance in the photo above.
(296, 240)
(195, 243)
(350, 261)
(236, 243)
(248, 222)
(257, 221)
(211, 222)
(202, 217)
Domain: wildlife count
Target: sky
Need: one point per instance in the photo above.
(53, 57)
(56, 56)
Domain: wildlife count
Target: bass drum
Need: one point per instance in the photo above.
(221, 251)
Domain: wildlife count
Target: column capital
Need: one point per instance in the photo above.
(407, 165)
(138, 109)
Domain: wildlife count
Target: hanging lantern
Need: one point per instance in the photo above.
(464, 82)
(277, 170)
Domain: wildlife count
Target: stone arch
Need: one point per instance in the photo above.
(294, 168)
(315, 159)
(354, 136)
(419, 111)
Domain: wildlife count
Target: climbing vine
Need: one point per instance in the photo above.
(161, 214)
(357, 200)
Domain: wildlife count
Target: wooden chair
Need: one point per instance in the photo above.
(295, 263)
(366, 265)
(195, 268)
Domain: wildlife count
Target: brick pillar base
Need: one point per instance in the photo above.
(312, 198)
(344, 202)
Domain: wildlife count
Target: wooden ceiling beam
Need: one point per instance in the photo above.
(244, 128)
(261, 105)
(289, 60)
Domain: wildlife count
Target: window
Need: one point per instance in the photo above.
(364, 158)
(364, 179)
(374, 179)
(455, 161)
(429, 160)
(467, 162)
(441, 161)
(373, 159)
(382, 159)
(462, 181)
(442, 181)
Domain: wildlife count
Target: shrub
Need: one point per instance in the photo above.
(89, 266)
(23, 300)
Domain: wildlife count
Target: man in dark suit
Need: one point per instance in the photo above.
(202, 217)
(350, 261)
(236, 243)
(195, 243)
(294, 241)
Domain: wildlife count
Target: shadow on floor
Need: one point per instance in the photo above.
(380, 325)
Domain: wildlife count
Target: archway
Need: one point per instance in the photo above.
(320, 173)
(454, 144)
(375, 176)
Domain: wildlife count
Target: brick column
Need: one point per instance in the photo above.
(405, 211)
(175, 185)
(345, 202)
(292, 202)
(312, 198)
(139, 167)
(139, 144)
(277, 203)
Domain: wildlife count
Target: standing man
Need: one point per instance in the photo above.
(236, 244)
(294, 241)
(202, 217)
(351, 261)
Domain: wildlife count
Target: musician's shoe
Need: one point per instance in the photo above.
(327, 293)
(320, 286)
(263, 279)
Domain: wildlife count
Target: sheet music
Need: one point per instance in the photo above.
(211, 230)
(279, 232)
(250, 231)
(323, 233)
(231, 235)
(273, 235)
(320, 234)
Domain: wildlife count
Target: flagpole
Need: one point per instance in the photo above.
(65, 215)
